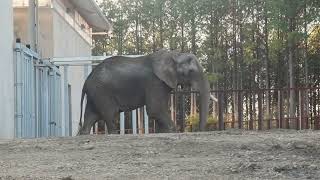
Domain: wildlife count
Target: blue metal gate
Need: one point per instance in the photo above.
(37, 95)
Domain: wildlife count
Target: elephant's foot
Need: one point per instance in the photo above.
(166, 130)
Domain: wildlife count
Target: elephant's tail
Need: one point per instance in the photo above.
(82, 97)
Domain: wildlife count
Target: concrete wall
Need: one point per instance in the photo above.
(6, 71)
(68, 43)
(45, 47)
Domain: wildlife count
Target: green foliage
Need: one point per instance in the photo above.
(192, 123)
(213, 77)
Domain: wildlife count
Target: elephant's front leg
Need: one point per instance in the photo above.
(158, 109)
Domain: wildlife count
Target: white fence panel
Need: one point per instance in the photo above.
(37, 95)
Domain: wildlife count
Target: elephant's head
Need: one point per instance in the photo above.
(176, 68)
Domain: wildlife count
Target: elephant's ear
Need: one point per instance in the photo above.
(164, 67)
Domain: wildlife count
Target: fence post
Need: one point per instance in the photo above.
(316, 122)
(251, 110)
(66, 100)
(146, 121)
(220, 106)
(140, 121)
(18, 92)
(122, 123)
(134, 121)
(301, 124)
(306, 109)
(183, 107)
(280, 109)
(240, 109)
(172, 107)
(268, 111)
(260, 110)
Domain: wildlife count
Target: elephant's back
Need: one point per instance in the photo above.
(121, 75)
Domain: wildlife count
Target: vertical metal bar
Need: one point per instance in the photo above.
(316, 122)
(29, 77)
(66, 99)
(301, 110)
(58, 104)
(260, 110)
(134, 121)
(288, 120)
(19, 91)
(252, 101)
(27, 105)
(268, 114)
(240, 110)
(280, 109)
(34, 128)
(46, 100)
(32, 99)
(27, 122)
(37, 106)
(140, 121)
(183, 110)
(172, 108)
(57, 115)
(146, 121)
(306, 109)
(121, 123)
(220, 106)
(24, 95)
(42, 103)
(52, 103)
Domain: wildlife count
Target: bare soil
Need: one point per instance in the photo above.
(231, 154)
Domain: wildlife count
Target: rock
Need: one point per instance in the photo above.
(299, 145)
(253, 166)
(313, 167)
(88, 147)
(276, 147)
(67, 178)
(244, 147)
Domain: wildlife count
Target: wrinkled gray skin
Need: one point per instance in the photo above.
(121, 84)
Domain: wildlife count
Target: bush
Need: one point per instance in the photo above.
(192, 123)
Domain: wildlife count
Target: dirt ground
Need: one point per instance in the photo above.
(231, 154)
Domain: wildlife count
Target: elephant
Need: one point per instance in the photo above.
(122, 83)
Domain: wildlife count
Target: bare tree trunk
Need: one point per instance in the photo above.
(267, 75)
(161, 32)
(153, 36)
(292, 106)
(235, 66)
(161, 24)
(193, 36)
(305, 57)
(240, 75)
(137, 35)
(182, 35)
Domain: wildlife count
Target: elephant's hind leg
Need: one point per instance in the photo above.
(108, 116)
(90, 117)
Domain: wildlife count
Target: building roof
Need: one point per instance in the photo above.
(91, 12)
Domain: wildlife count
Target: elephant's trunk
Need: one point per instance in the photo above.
(202, 85)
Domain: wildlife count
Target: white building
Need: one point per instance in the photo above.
(63, 29)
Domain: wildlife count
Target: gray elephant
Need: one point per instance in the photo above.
(122, 84)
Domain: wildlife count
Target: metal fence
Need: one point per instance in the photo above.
(252, 109)
(37, 95)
